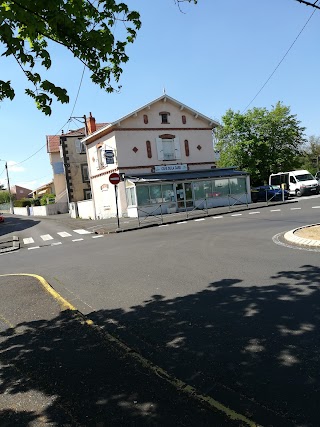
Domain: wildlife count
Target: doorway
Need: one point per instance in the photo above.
(184, 195)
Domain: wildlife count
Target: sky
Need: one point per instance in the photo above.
(211, 56)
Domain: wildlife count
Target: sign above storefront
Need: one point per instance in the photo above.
(171, 168)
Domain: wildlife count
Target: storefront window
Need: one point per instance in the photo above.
(198, 189)
(237, 185)
(155, 194)
(131, 196)
(220, 187)
(168, 193)
(143, 195)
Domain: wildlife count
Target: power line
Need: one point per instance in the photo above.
(74, 105)
(273, 72)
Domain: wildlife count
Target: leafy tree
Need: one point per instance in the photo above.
(311, 154)
(86, 28)
(4, 197)
(260, 141)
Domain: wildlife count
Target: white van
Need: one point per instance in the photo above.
(299, 183)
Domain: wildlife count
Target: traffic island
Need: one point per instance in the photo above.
(9, 244)
(308, 235)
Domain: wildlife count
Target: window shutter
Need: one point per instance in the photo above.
(78, 145)
(186, 147)
(177, 148)
(159, 148)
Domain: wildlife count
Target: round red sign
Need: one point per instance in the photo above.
(114, 178)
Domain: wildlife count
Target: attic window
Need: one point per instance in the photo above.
(164, 117)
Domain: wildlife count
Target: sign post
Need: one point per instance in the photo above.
(114, 179)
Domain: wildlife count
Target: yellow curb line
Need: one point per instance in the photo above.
(175, 382)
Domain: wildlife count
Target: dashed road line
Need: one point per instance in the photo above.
(181, 222)
(275, 210)
(77, 240)
(199, 219)
(97, 237)
(236, 215)
(295, 209)
(46, 237)
(217, 217)
(254, 213)
(164, 225)
(315, 207)
(56, 243)
(33, 247)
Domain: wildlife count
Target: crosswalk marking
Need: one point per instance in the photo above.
(28, 240)
(46, 237)
(82, 231)
(64, 234)
(77, 240)
(97, 237)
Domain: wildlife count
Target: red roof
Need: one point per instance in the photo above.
(53, 141)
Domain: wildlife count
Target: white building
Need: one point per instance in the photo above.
(164, 154)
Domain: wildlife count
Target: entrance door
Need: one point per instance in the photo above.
(184, 195)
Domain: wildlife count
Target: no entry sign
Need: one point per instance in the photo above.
(114, 178)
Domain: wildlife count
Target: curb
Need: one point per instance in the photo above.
(156, 224)
(290, 237)
(13, 244)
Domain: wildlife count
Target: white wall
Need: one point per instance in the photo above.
(86, 209)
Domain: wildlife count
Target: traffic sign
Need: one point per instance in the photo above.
(114, 178)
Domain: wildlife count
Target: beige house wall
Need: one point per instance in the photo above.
(59, 180)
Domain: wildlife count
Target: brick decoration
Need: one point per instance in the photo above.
(199, 147)
(149, 152)
(135, 149)
(186, 147)
(184, 120)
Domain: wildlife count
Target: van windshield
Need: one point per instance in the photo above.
(304, 177)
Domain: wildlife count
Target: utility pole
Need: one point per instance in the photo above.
(9, 189)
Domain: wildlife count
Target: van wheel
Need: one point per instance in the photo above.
(298, 193)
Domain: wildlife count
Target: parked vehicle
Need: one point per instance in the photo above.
(317, 176)
(1, 218)
(268, 193)
(298, 183)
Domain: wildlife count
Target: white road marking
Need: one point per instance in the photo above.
(253, 213)
(64, 234)
(28, 240)
(236, 214)
(217, 217)
(200, 219)
(46, 237)
(56, 243)
(97, 237)
(34, 247)
(82, 231)
(164, 225)
(275, 210)
(182, 222)
(294, 209)
(315, 207)
(77, 240)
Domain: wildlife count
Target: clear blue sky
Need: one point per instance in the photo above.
(214, 56)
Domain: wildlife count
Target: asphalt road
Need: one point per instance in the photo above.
(222, 304)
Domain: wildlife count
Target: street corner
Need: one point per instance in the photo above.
(27, 298)
(308, 235)
(9, 244)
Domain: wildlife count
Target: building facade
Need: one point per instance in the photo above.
(164, 155)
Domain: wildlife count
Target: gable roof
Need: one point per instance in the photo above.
(53, 141)
(164, 98)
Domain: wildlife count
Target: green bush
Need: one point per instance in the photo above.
(47, 199)
(22, 203)
(4, 196)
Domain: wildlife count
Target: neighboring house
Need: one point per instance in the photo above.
(69, 163)
(164, 154)
(20, 192)
(44, 189)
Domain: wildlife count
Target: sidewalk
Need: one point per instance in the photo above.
(57, 368)
(106, 226)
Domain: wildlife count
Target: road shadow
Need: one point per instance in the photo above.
(255, 349)
(14, 224)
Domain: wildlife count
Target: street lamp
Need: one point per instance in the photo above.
(9, 189)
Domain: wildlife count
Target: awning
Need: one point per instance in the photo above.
(185, 176)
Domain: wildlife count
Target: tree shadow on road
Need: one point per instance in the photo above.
(15, 224)
(253, 348)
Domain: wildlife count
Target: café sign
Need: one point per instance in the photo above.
(171, 168)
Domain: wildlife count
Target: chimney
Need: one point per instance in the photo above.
(91, 124)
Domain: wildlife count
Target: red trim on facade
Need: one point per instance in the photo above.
(186, 147)
(149, 152)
